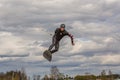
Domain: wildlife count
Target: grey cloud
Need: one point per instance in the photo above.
(25, 55)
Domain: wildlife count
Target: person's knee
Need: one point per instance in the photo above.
(56, 49)
(52, 45)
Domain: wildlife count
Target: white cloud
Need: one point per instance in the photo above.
(106, 59)
(10, 43)
(33, 58)
(111, 1)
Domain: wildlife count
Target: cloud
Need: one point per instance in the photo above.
(109, 59)
(10, 44)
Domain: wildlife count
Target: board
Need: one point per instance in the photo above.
(47, 55)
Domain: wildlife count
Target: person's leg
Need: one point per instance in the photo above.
(53, 44)
(56, 48)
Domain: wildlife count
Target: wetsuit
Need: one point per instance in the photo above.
(56, 39)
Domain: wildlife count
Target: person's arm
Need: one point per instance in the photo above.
(71, 36)
(72, 40)
(56, 31)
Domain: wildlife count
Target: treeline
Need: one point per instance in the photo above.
(63, 77)
(93, 77)
(13, 75)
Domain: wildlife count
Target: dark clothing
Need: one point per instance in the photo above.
(60, 34)
(57, 37)
(54, 43)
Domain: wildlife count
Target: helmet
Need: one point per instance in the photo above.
(62, 25)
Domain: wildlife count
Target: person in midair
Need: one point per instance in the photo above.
(58, 35)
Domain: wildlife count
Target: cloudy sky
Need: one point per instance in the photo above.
(26, 25)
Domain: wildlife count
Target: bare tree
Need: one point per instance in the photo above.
(23, 74)
(55, 72)
(38, 77)
(111, 75)
(46, 77)
(103, 75)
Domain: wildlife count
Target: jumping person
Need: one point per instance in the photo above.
(59, 34)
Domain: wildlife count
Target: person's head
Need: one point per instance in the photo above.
(62, 27)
